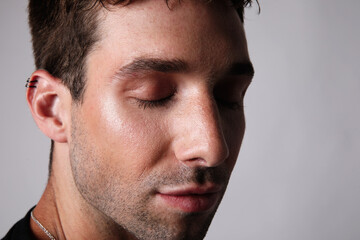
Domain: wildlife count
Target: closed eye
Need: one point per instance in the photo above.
(232, 105)
(142, 103)
(231, 96)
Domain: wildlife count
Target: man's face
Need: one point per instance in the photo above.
(157, 135)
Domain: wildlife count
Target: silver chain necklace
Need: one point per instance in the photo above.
(42, 227)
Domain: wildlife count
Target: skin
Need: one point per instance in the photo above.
(162, 110)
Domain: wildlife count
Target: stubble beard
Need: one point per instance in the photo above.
(129, 205)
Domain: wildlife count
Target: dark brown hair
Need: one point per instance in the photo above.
(63, 33)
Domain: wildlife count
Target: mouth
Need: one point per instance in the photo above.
(191, 199)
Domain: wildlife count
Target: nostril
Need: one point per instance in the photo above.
(196, 160)
(201, 141)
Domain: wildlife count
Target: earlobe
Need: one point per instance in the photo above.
(47, 98)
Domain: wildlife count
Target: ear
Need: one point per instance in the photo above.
(50, 105)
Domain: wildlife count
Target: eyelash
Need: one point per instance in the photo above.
(231, 105)
(154, 103)
(235, 106)
(162, 102)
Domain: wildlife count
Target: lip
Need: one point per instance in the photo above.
(191, 199)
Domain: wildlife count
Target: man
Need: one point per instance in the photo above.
(143, 103)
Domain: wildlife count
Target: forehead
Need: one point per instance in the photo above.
(201, 33)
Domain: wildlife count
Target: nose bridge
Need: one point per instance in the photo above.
(203, 141)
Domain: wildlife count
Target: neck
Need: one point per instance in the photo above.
(65, 213)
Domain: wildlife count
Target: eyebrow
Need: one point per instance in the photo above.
(144, 65)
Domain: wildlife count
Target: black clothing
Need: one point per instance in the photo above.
(21, 230)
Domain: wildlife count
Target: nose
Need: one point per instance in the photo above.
(200, 139)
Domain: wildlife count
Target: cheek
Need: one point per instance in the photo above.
(126, 137)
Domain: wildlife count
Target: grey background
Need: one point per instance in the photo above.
(298, 173)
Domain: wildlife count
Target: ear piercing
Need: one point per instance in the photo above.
(30, 84)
